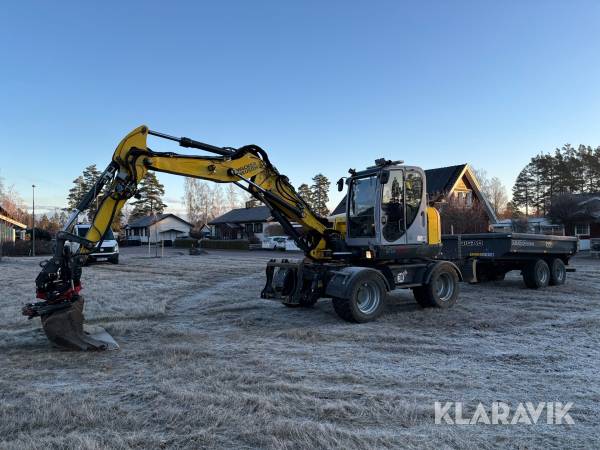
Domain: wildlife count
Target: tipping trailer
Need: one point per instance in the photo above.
(542, 259)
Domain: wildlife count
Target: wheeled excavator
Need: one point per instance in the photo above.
(388, 239)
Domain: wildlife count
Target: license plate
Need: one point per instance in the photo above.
(101, 259)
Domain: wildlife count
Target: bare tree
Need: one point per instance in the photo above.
(232, 196)
(199, 201)
(493, 190)
(190, 193)
(496, 195)
(459, 218)
(216, 202)
(13, 204)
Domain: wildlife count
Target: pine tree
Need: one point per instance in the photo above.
(77, 192)
(320, 194)
(90, 176)
(523, 190)
(150, 191)
(306, 194)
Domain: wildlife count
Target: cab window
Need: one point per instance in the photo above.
(361, 209)
(413, 186)
(392, 208)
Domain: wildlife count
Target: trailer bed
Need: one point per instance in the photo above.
(506, 246)
(489, 256)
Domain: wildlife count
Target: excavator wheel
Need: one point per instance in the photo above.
(65, 329)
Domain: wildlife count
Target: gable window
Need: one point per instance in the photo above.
(469, 198)
(464, 198)
(582, 229)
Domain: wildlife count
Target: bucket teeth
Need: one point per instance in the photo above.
(65, 328)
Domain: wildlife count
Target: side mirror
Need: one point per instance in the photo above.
(384, 176)
(340, 184)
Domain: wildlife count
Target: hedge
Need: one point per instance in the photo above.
(185, 243)
(23, 248)
(238, 244)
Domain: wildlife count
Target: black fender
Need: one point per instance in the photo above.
(435, 265)
(342, 281)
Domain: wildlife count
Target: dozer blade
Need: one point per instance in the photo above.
(64, 328)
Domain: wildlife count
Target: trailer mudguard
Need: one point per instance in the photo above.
(341, 283)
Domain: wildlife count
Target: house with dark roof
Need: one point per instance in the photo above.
(444, 183)
(242, 223)
(156, 228)
(585, 220)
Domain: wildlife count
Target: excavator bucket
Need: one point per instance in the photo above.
(64, 327)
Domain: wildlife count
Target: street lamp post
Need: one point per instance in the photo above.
(33, 222)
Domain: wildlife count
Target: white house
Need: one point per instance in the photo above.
(157, 228)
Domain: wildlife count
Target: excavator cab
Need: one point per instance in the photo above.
(387, 212)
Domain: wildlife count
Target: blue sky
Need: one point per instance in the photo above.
(322, 86)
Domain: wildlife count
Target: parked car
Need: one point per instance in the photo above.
(109, 250)
(279, 243)
(274, 242)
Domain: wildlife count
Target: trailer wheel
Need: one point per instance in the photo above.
(536, 274)
(366, 302)
(441, 291)
(558, 272)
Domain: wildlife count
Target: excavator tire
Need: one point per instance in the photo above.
(65, 328)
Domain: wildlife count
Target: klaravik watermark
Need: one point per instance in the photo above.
(500, 413)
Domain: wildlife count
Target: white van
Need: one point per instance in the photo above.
(109, 250)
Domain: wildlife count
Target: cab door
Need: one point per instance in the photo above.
(392, 215)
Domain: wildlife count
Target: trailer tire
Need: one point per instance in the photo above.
(366, 302)
(536, 274)
(558, 272)
(441, 291)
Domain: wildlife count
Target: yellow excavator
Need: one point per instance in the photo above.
(388, 239)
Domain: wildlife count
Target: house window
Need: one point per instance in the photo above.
(248, 229)
(258, 227)
(582, 229)
(469, 198)
(464, 198)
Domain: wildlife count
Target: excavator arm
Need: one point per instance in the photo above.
(58, 284)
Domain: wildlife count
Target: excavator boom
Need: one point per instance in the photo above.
(58, 284)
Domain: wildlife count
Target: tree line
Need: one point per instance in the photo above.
(547, 176)
(203, 201)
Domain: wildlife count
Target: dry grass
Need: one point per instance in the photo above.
(205, 363)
